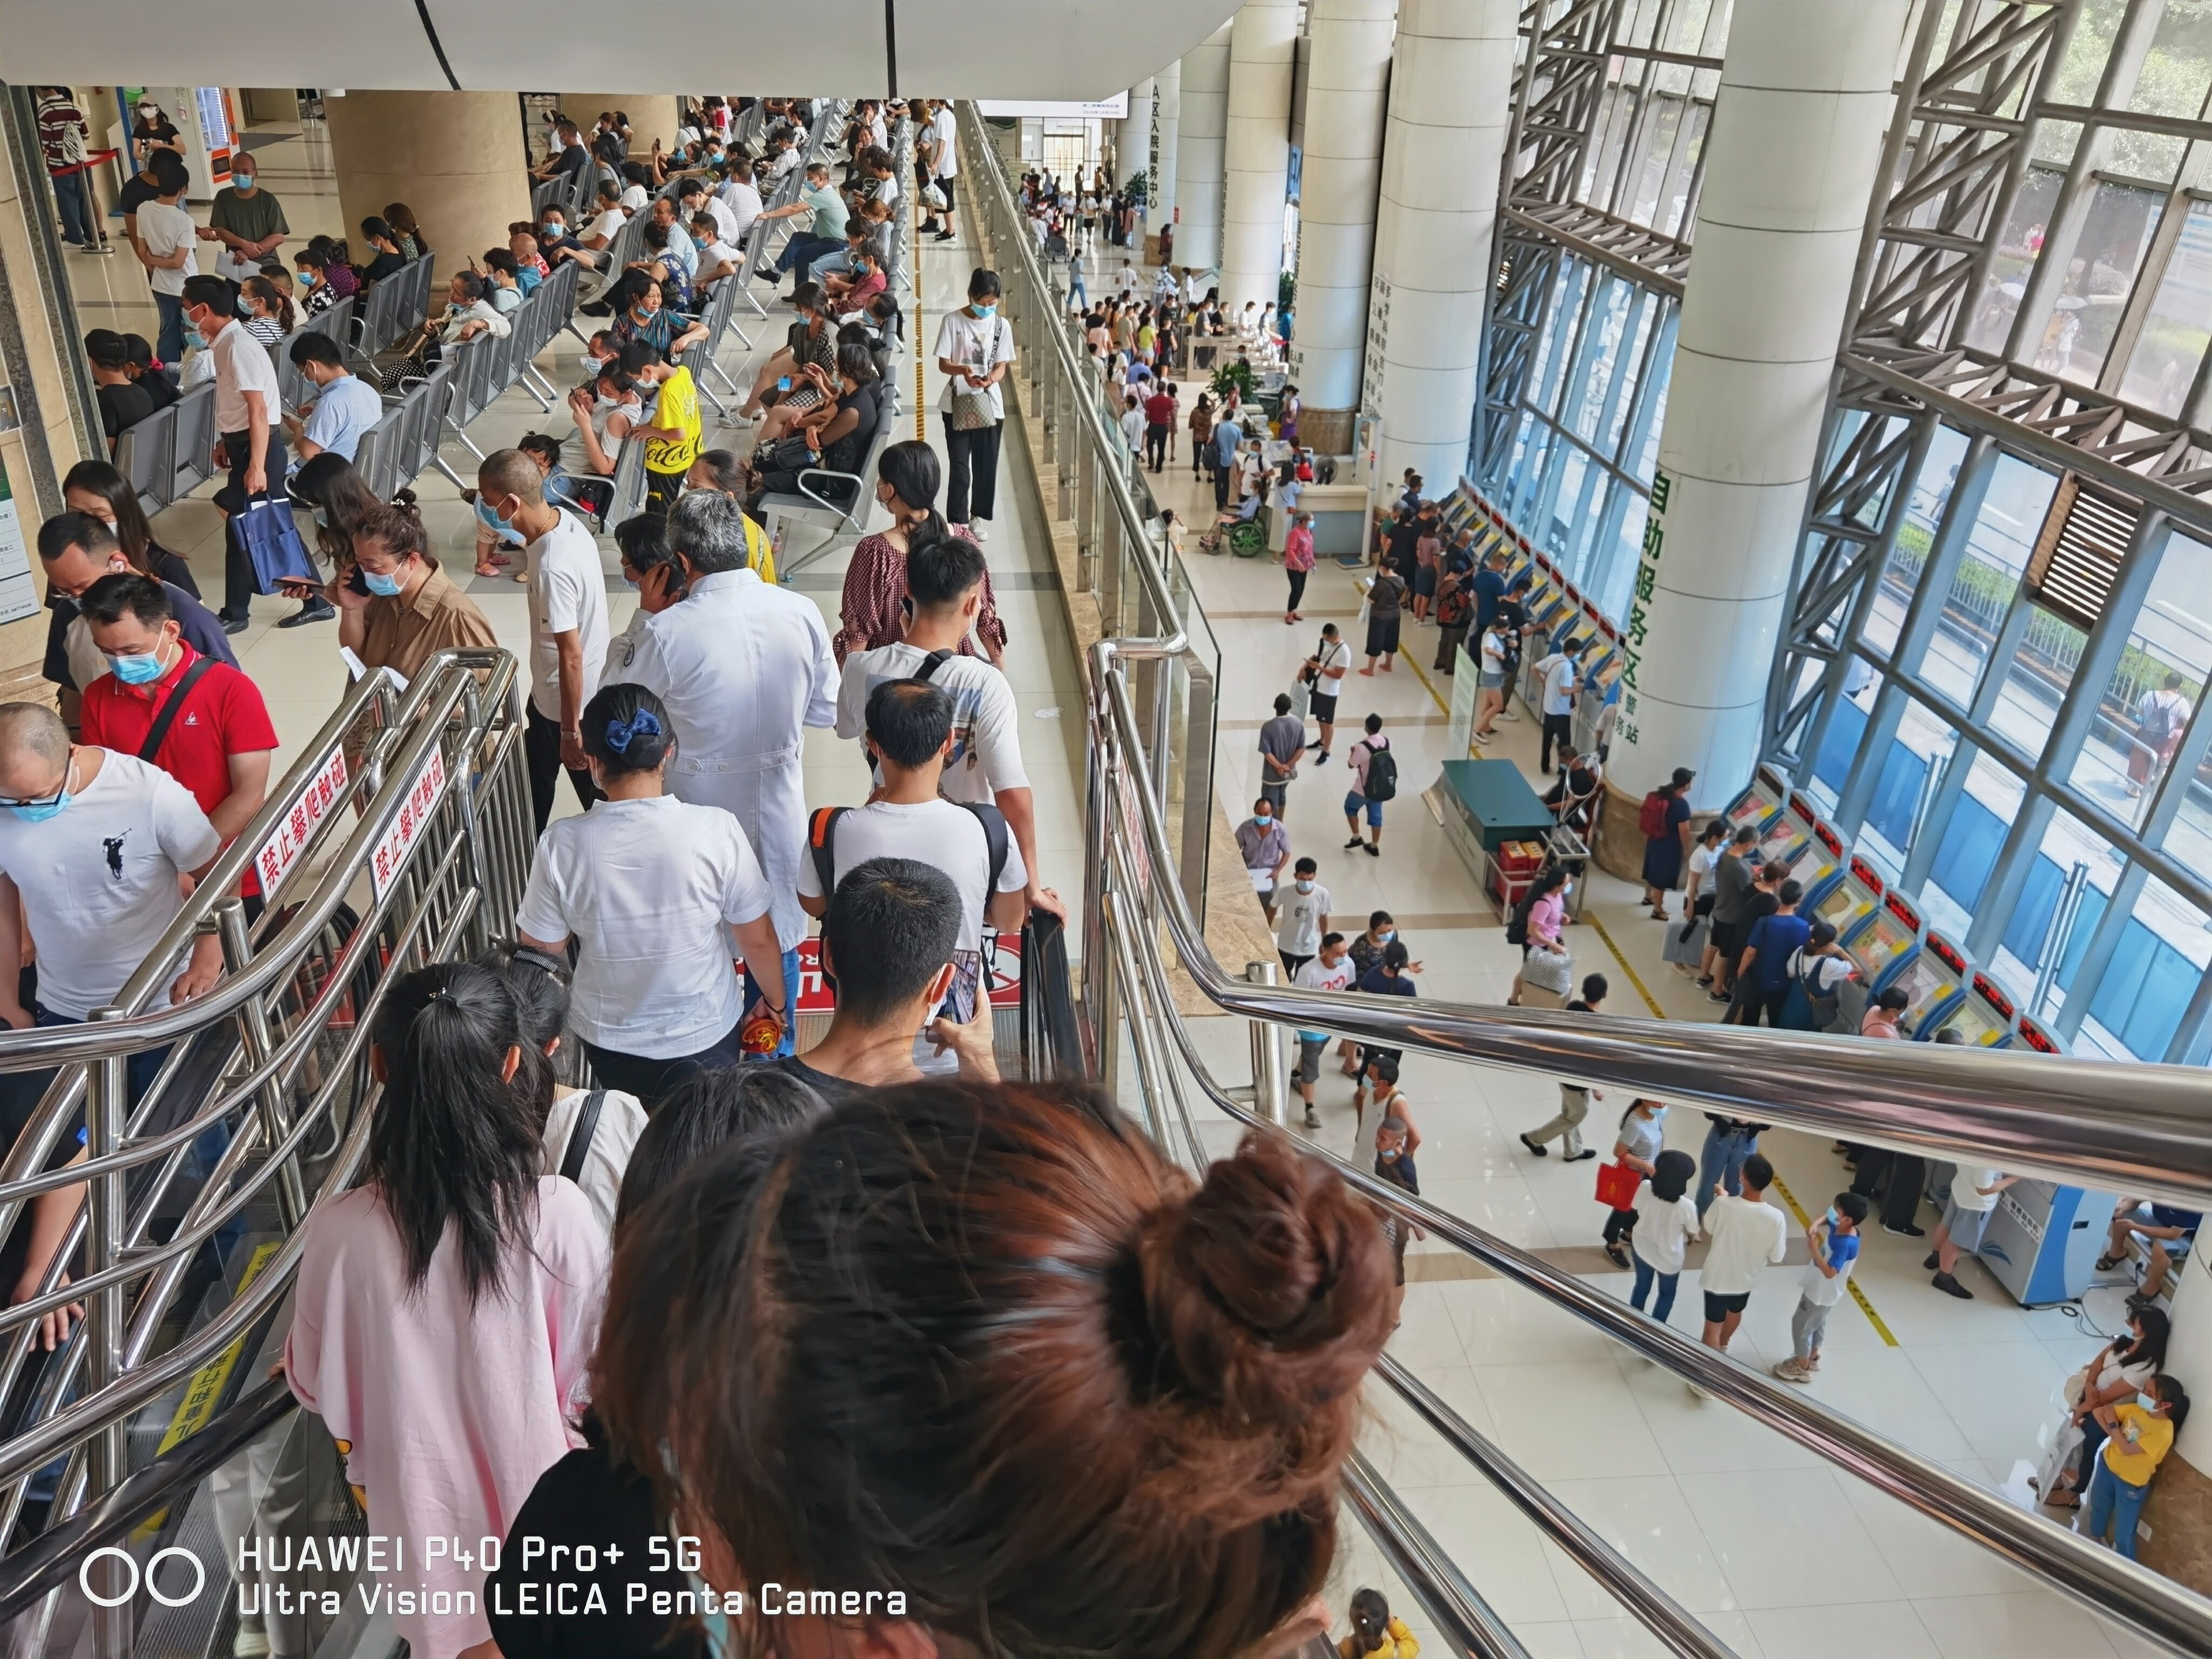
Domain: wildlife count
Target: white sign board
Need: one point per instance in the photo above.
(19, 595)
(415, 811)
(1115, 108)
(297, 827)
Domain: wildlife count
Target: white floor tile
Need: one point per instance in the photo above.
(1789, 1537)
(1892, 1630)
(1649, 1523)
(1570, 1421)
(2026, 1625)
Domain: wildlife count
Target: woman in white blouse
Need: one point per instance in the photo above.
(656, 892)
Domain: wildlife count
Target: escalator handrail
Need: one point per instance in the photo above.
(49, 1561)
(2099, 1578)
(2131, 1129)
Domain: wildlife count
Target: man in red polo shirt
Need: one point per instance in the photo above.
(220, 740)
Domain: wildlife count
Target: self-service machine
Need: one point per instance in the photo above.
(1984, 1018)
(1761, 803)
(2042, 1240)
(1934, 978)
(1818, 868)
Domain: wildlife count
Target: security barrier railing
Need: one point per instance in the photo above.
(2133, 1128)
(402, 836)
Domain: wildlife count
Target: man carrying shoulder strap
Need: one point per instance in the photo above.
(909, 735)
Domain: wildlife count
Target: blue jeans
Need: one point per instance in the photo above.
(790, 1002)
(2112, 1499)
(170, 347)
(77, 213)
(804, 250)
(836, 263)
(1646, 1276)
(1721, 1160)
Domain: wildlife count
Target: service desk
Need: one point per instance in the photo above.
(1339, 518)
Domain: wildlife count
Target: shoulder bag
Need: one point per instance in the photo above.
(972, 409)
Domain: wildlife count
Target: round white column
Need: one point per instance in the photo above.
(1199, 142)
(1796, 142)
(1347, 81)
(1133, 134)
(1451, 104)
(1262, 51)
(1167, 106)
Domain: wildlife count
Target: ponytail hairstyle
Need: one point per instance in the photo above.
(626, 729)
(401, 218)
(911, 469)
(132, 533)
(1120, 1435)
(539, 986)
(452, 1145)
(2173, 1397)
(1672, 1172)
(270, 295)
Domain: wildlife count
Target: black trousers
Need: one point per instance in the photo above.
(1156, 446)
(541, 755)
(1619, 1224)
(650, 1080)
(237, 580)
(1908, 1175)
(1560, 729)
(1452, 636)
(1297, 589)
(1220, 488)
(971, 490)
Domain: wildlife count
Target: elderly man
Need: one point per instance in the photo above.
(246, 220)
(742, 668)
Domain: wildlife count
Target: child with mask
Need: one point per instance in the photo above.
(1835, 1240)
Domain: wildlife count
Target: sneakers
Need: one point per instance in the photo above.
(1313, 1119)
(1354, 844)
(1951, 1286)
(1933, 1262)
(1373, 851)
(250, 1642)
(1718, 996)
(980, 529)
(1321, 759)
(1576, 1157)
(1536, 1146)
(1617, 1257)
(1791, 1371)
(1904, 1229)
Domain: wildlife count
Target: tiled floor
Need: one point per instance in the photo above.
(1780, 1555)
(1777, 1552)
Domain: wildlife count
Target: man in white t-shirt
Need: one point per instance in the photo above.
(568, 626)
(1561, 674)
(250, 436)
(167, 244)
(1748, 1236)
(91, 849)
(695, 197)
(942, 140)
(1301, 916)
(944, 590)
(740, 195)
(1966, 1219)
(909, 736)
(1330, 970)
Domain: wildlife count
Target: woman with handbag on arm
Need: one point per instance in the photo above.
(975, 349)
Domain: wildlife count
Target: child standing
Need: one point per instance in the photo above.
(1666, 1222)
(1835, 1240)
(1375, 1633)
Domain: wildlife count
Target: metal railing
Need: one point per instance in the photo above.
(1142, 591)
(2132, 1128)
(401, 836)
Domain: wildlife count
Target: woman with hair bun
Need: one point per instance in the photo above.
(660, 895)
(446, 1308)
(982, 1351)
(872, 612)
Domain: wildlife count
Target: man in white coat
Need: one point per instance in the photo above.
(743, 667)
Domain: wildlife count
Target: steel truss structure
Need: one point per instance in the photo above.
(1915, 357)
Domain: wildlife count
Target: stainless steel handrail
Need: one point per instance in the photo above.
(2133, 1128)
(1444, 1591)
(2101, 1579)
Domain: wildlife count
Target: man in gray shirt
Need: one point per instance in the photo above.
(1265, 845)
(1282, 740)
(1734, 877)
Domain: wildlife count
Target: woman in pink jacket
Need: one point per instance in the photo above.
(447, 1307)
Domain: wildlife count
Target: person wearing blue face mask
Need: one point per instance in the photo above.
(975, 351)
(92, 845)
(412, 610)
(198, 719)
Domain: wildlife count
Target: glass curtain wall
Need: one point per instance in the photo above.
(2041, 786)
(1574, 474)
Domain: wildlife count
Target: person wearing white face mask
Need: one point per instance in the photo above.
(975, 351)
(568, 622)
(252, 443)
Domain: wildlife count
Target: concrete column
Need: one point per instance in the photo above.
(1133, 144)
(454, 157)
(1796, 142)
(1262, 48)
(1452, 96)
(1347, 82)
(651, 115)
(1167, 110)
(1199, 143)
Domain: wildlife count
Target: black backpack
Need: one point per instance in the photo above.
(1382, 775)
(822, 842)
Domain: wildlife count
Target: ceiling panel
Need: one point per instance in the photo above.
(1014, 49)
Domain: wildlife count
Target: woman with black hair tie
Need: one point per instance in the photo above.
(446, 1308)
(661, 894)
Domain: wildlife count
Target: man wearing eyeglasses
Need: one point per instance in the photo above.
(94, 848)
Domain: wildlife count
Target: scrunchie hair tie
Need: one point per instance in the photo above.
(643, 724)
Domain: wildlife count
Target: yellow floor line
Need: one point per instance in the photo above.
(1796, 1209)
(913, 271)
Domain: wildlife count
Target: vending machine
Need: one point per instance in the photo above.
(1934, 978)
(1762, 801)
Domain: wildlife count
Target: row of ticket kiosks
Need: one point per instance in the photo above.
(1560, 615)
(2043, 1239)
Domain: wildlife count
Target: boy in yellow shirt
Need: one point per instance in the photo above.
(2142, 1433)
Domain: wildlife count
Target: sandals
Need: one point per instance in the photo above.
(2106, 1263)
